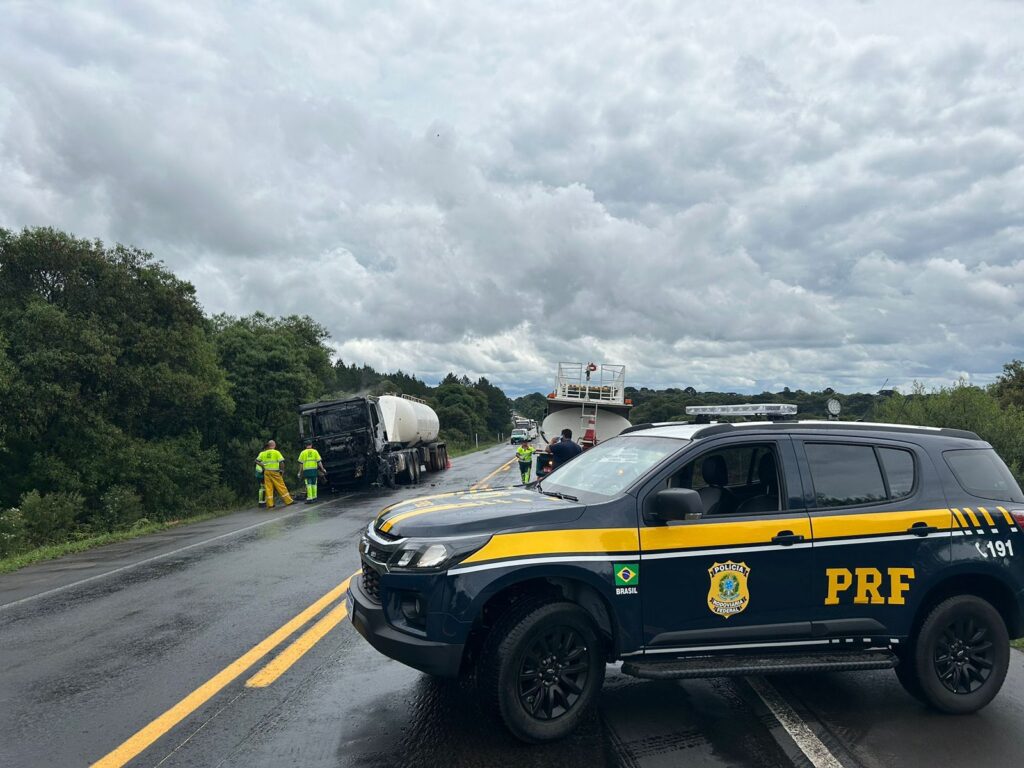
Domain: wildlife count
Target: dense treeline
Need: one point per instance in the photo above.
(996, 412)
(123, 402)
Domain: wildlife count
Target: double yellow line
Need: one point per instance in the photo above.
(277, 666)
(144, 738)
(485, 483)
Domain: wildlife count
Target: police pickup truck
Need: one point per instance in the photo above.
(700, 550)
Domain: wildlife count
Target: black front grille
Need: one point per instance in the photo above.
(371, 582)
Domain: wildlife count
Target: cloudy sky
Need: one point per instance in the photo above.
(736, 196)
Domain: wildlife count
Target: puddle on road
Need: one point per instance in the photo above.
(439, 724)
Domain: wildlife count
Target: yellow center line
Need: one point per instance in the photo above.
(147, 736)
(284, 660)
(483, 483)
(144, 738)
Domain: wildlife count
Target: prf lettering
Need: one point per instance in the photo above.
(868, 585)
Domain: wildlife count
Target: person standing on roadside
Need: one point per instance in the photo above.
(271, 460)
(310, 467)
(259, 484)
(564, 449)
(525, 455)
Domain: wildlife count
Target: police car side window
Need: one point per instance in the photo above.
(899, 471)
(844, 475)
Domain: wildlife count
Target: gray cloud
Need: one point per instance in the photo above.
(811, 194)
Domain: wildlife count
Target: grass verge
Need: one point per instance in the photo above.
(1018, 643)
(51, 551)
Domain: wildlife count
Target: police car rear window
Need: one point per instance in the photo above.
(982, 473)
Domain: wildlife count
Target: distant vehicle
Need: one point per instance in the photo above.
(704, 550)
(378, 440)
(519, 436)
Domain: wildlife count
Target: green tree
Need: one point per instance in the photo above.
(498, 413)
(1009, 387)
(273, 365)
(106, 351)
(532, 406)
(461, 410)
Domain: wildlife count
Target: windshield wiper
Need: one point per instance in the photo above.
(558, 495)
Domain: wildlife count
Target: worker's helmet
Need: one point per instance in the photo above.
(309, 441)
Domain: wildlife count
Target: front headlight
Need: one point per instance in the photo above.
(436, 555)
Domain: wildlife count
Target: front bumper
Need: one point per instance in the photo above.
(440, 659)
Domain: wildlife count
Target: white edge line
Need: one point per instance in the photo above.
(812, 747)
(154, 558)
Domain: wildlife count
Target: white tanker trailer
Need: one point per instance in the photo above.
(374, 439)
(589, 400)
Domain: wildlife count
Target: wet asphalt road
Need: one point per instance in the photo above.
(96, 646)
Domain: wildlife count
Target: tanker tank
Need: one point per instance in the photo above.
(408, 422)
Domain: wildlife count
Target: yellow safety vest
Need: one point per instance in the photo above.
(271, 460)
(525, 453)
(309, 458)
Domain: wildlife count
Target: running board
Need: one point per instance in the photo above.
(734, 665)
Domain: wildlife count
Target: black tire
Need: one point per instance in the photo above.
(906, 673)
(961, 654)
(541, 669)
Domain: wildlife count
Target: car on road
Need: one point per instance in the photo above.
(704, 550)
(519, 436)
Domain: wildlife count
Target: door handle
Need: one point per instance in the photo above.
(922, 529)
(787, 538)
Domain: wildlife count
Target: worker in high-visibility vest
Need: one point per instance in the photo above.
(310, 467)
(271, 461)
(525, 455)
(259, 484)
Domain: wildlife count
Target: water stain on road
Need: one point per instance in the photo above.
(420, 726)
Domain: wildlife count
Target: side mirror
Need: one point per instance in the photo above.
(678, 504)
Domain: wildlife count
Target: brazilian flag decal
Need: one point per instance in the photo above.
(626, 574)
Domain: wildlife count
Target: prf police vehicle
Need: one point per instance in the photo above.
(699, 550)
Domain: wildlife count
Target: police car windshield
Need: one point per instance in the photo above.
(611, 467)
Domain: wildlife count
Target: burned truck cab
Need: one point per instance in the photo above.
(349, 436)
(374, 440)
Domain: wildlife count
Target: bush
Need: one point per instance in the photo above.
(50, 519)
(120, 507)
(12, 532)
